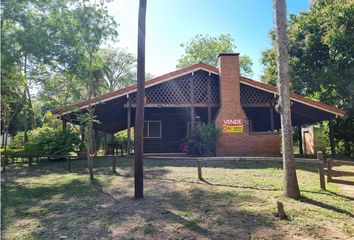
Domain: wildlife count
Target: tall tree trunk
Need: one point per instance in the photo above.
(88, 135)
(291, 187)
(25, 126)
(139, 117)
(89, 127)
(6, 134)
(8, 119)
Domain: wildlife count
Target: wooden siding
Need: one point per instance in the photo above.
(173, 129)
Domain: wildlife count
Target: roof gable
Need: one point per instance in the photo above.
(191, 69)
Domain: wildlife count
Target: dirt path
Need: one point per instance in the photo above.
(348, 190)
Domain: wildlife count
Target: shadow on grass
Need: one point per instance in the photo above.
(329, 193)
(236, 186)
(326, 206)
(86, 210)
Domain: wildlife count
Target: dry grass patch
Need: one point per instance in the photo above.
(236, 201)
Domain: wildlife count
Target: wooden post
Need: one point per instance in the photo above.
(192, 121)
(209, 100)
(139, 116)
(94, 142)
(331, 138)
(129, 125)
(300, 140)
(30, 159)
(329, 170)
(192, 102)
(69, 163)
(114, 164)
(104, 143)
(280, 211)
(321, 170)
(64, 123)
(271, 118)
(199, 165)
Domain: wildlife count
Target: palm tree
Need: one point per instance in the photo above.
(291, 187)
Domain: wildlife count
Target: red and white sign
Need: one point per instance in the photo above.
(233, 125)
(232, 122)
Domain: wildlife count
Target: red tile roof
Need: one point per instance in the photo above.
(193, 68)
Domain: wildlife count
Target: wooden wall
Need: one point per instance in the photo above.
(173, 129)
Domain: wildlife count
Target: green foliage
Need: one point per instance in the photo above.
(46, 141)
(122, 138)
(51, 46)
(204, 48)
(118, 68)
(321, 51)
(204, 140)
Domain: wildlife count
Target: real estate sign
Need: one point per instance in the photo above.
(232, 125)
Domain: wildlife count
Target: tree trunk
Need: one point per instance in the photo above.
(6, 134)
(7, 124)
(89, 147)
(139, 117)
(291, 187)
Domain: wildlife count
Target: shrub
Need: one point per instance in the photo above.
(122, 138)
(47, 141)
(203, 141)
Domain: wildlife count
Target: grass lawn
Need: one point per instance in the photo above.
(236, 201)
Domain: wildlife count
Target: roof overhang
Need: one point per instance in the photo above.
(133, 88)
(190, 70)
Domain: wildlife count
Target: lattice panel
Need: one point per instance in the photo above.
(214, 85)
(200, 83)
(178, 91)
(250, 95)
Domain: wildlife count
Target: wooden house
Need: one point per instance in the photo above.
(241, 107)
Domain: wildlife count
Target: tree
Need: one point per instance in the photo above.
(93, 26)
(139, 116)
(54, 44)
(118, 68)
(322, 59)
(204, 48)
(291, 187)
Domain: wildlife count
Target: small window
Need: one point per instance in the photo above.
(152, 129)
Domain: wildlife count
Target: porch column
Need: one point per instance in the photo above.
(105, 143)
(64, 123)
(192, 102)
(192, 121)
(128, 125)
(209, 101)
(331, 137)
(271, 118)
(94, 141)
(299, 131)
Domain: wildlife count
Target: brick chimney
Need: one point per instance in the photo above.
(231, 119)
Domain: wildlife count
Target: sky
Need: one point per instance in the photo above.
(172, 22)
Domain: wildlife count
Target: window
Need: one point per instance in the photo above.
(152, 129)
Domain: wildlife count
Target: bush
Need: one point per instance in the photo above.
(122, 138)
(204, 140)
(12, 150)
(47, 141)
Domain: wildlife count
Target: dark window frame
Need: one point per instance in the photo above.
(148, 129)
